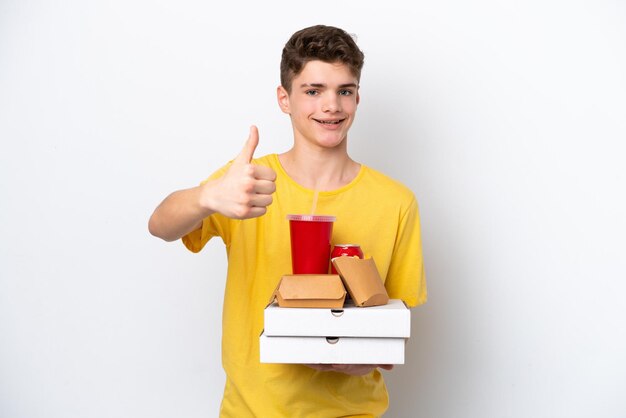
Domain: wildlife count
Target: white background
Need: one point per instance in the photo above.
(506, 118)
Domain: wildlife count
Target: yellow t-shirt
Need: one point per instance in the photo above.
(374, 211)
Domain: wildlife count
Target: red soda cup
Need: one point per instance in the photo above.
(348, 250)
(310, 243)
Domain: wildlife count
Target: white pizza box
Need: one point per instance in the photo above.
(332, 350)
(392, 320)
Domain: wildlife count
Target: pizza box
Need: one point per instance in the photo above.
(392, 320)
(331, 350)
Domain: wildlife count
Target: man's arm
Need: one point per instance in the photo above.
(244, 191)
(180, 213)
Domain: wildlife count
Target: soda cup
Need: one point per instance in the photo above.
(310, 243)
(348, 250)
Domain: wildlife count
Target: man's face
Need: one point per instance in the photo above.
(322, 103)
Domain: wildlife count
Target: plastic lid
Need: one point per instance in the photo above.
(311, 218)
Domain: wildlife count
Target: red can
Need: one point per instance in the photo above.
(348, 250)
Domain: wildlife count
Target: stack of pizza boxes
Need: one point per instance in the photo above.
(309, 321)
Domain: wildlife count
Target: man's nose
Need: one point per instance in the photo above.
(331, 103)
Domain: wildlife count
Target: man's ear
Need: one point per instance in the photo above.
(283, 99)
(358, 97)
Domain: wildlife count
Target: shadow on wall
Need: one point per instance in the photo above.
(443, 357)
(388, 132)
(391, 134)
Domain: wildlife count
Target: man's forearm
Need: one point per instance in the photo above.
(179, 213)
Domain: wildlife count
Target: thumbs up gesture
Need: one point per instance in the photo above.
(245, 190)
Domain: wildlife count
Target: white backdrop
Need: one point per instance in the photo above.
(507, 119)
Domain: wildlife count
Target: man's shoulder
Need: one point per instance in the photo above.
(393, 186)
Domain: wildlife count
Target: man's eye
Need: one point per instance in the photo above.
(311, 92)
(345, 92)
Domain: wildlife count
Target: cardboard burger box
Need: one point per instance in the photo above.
(310, 291)
(362, 280)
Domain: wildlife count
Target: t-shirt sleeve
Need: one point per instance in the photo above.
(406, 279)
(213, 225)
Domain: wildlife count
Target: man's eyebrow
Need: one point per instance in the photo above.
(321, 85)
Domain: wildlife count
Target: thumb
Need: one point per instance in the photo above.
(246, 154)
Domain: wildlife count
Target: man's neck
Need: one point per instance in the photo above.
(322, 169)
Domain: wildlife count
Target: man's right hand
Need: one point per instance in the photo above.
(245, 190)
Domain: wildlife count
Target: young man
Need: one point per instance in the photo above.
(246, 204)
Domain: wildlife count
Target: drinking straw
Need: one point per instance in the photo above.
(314, 205)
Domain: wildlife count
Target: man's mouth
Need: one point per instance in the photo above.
(329, 122)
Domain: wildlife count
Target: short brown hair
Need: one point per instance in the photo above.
(320, 42)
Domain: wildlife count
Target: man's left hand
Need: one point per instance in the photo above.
(351, 369)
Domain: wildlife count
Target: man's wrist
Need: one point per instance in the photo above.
(206, 199)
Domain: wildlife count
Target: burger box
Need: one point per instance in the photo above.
(352, 335)
(362, 280)
(310, 291)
